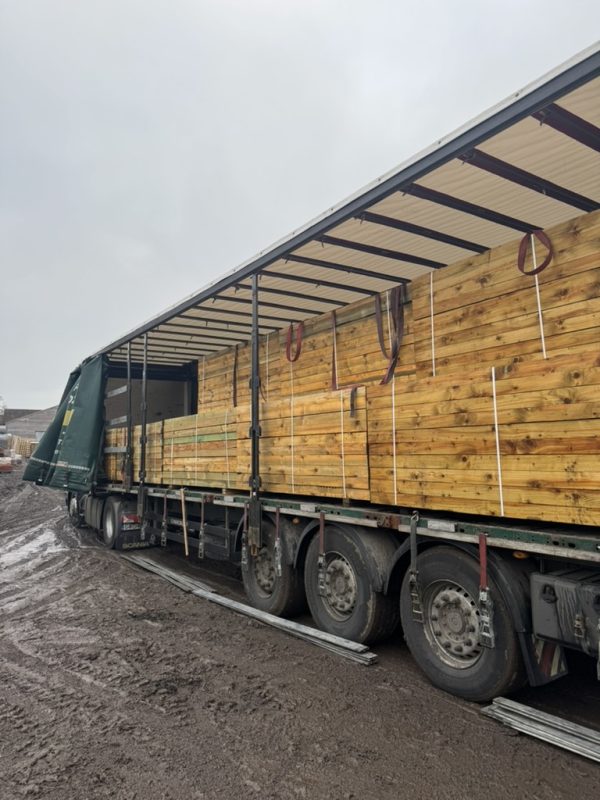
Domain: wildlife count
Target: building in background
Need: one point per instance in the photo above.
(29, 424)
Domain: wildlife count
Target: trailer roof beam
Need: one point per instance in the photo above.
(189, 337)
(299, 295)
(216, 329)
(477, 158)
(570, 124)
(419, 230)
(368, 273)
(441, 199)
(248, 301)
(317, 282)
(381, 251)
(221, 311)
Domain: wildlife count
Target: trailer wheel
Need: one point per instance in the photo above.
(111, 524)
(446, 644)
(350, 606)
(282, 595)
(75, 515)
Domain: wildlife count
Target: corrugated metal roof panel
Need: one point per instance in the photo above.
(485, 202)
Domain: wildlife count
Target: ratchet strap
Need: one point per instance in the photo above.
(288, 342)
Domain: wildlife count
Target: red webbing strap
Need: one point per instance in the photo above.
(523, 245)
(483, 572)
(288, 342)
(234, 376)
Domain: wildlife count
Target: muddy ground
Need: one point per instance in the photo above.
(115, 684)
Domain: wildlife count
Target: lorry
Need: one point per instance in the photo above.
(390, 416)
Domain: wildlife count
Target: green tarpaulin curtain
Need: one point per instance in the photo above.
(69, 452)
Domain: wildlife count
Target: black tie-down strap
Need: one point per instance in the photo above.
(397, 298)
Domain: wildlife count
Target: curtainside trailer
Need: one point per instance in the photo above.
(391, 416)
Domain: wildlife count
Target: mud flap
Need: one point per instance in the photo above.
(545, 661)
(132, 540)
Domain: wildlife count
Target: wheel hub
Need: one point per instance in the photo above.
(264, 570)
(340, 585)
(452, 624)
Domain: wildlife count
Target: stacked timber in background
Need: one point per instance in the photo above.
(476, 420)
(22, 447)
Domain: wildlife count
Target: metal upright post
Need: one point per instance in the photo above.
(144, 410)
(141, 498)
(128, 452)
(254, 527)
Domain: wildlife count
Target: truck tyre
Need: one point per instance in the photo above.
(73, 506)
(350, 607)
(446, 644)
(282, 595)
(111, 524)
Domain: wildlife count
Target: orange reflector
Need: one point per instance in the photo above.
(520, 554)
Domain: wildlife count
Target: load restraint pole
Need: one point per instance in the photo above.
(141, 505)
(128, 459)
(254, 526)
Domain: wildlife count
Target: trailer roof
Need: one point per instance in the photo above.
(528, 163)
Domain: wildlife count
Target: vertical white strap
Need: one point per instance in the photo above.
(393, 385)
(227, 444)
(539, 299)
(171, 459)
(498, 459)
(342, 444)
(432, 323)
(293, 476)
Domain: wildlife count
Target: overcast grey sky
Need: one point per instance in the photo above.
(146, 147)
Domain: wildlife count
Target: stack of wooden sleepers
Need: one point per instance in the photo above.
(493, 407)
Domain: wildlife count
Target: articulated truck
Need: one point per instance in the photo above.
(390, 417)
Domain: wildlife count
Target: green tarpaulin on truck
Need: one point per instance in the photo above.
(68, 453)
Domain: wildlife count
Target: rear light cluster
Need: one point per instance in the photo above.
(130, 519)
